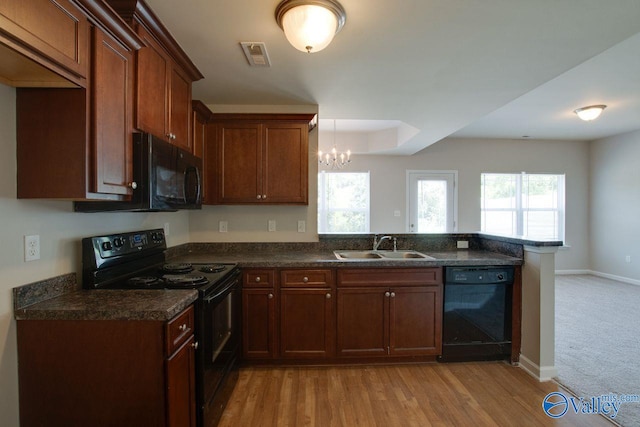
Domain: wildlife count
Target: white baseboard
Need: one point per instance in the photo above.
(569, 272)
(599, 274)
(541, 373)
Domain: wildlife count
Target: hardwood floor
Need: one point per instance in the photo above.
(432, 394)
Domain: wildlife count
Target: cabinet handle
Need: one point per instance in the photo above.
(258, 197)
(264, 196)
(270, 296)
(194, 345)
(328, 295)
(257, 279)
(183, 327)
(387, 294)
(305, 279)
(133, 185)
(393, 294)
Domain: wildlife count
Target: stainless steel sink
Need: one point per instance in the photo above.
(357, 254)
(381, 255)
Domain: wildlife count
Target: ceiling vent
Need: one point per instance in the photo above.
(256, 53)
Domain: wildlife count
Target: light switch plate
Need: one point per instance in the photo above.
(463, 244)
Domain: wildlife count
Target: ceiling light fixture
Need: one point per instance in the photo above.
(334, 159)
(591, 112)
(310, 25)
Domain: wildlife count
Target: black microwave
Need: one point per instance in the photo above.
(167, 178)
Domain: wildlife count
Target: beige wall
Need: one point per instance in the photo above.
(471, 157)
(60, 231)
(615, 206)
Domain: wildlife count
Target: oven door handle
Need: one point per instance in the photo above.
(217, 295)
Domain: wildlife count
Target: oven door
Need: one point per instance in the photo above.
(220, 341)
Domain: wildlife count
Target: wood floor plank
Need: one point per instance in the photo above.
(472, 394)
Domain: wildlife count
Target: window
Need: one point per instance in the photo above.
(343, 202)
(523, 205)
(431, 201)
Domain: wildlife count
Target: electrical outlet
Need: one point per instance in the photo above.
(302, 226)
(31, 247)
(627, 258)
(166, 229)
(272, 225)
(223, 226)
(396, 213)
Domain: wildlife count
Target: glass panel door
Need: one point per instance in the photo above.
(431, 201)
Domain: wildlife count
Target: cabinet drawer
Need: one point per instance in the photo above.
(259, 278)
(389, 276)
(178, 329)
(306, 278)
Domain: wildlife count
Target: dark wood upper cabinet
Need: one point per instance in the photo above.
(260, 159)
(43, 43)
(164, 75)
(76, 143)
(203, 137)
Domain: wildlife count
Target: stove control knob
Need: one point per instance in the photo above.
(106, 246)
(118, 242)
(500, 276)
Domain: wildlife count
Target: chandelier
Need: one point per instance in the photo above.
(334, 159)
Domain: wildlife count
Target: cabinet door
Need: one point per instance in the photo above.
(306, 323)
(415, 321)
(240, 156)
(152, 90)
(181, 391)
(258, 323)
(362, 325)
(180, 109)
(112, 83)
(286, 159)
(56, 31)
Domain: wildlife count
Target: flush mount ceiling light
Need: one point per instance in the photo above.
(591, 112)
(310, 25)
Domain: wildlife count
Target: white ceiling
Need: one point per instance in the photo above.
(466, 68)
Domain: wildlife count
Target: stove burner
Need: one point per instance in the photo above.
(143, 281)
(177, 268)
(185, 279)
(212, 268)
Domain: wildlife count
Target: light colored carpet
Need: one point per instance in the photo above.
(598, 339)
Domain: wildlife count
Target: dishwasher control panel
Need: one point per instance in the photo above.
(478, 275)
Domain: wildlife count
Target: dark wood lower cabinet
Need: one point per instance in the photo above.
(364, 314)
(107, 372)
(258, 323)
(307, 323)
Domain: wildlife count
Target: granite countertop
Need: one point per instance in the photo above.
(327, 259)
(161, 305)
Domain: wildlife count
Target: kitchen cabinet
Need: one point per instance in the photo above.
(107, 372)
(164, 75)
(383, 312)
(44, 43)
(260, 159)
(259, 314)
(77, 143)
(307, 314)
(203, 143)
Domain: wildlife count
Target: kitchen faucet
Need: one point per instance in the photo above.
(376, 242)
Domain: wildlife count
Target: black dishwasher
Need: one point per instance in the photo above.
(477, 313)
